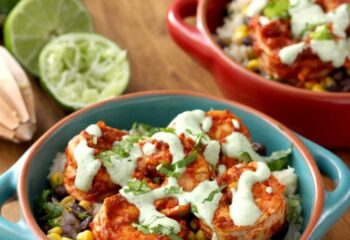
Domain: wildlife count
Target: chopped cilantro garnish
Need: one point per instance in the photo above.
(212, 194)
(83, 215)
(170, 169)
(321, 33)
(277, 9)
(187, 160)
(137, 187)
(173, 190)
(159, 229)
(194, 208)
(278, 160)
(245, 157)
(200, 138)
(49, 211)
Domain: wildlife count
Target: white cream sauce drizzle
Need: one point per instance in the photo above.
(305, 13)
(87, 165)
(188, 121)
(206, 209)
(94, 130)
(148, 213)
(121, 169)
(221, 169)
(255, 7)
(212, 152)
(207, 123)
(175, 146)
(149, 148)
(243, 210)
(289, 54)
(236, 144)
(331, 51)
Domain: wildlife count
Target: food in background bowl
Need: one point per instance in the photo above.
(201, 177)
(298, 42)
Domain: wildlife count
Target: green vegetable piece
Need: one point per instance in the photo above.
(159, 229)
(279, 160)
(173, 190)
(277, 9)
(245, 157)
(170, 169)
(212, 194)
(194, 208)
(321, 33)
(137, 187)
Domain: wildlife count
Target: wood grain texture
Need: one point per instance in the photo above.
(156, 63)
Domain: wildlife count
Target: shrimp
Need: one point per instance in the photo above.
(102, 185)
(114, 221)
(272, 206)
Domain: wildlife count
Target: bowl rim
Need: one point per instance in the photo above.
(297, 143)
(204, 29)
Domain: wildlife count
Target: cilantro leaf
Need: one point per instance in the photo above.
(321, 33)
(137, 187)
(187, 160)
(48, 211)
(194, 208)
(158, 229)
(278, 160)
(173, 190)
(277, 9)
(212, 194)
(170, 169)
(245, 157)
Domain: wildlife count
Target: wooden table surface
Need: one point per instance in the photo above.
(156, 63)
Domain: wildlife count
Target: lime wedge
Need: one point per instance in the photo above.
(33, 23)
(78, 69)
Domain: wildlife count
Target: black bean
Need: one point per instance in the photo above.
(60, 191)
(259, 148)
(339, 75)
(248, 41)
(84, 225)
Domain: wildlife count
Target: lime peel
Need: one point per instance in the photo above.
(33, 23)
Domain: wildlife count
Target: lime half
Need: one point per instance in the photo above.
(78, 69)
(33, 23)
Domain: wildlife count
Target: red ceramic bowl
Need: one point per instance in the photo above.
(323, 117)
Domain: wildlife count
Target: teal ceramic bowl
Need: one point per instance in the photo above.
(27, 178)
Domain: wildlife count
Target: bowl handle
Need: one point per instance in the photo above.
(189, 37)
(8, 184)
(337, 201)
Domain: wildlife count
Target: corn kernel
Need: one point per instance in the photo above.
(317, 88)
(67, 202)
(191, 236)
(253, 64)
(57, 230)
(309, 85)
(53, 236)
(86, 205)
(86, 235)
(56, 179)
(240, 33)
(200, 235)
(328, 82)
(65, 238)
